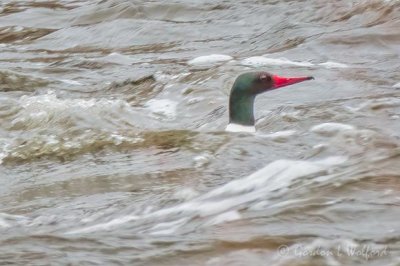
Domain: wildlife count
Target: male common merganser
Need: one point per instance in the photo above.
(245, 89)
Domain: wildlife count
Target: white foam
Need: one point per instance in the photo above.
(119, 139)
(331, 129)
(162, 77)
(195, 100)
(225, 217)
(210, 59)
(35, 110)
(231, 127)
(186, 193)
(121, 59)
(163, 107)
(50, 101)
(167, 228)
(330, 64)
(396, 86)
(202, 160)
(71, 82)
(280, 136)
(224, 203)
(105, 226)
(274, 176)
(266, 61)
(256, 61)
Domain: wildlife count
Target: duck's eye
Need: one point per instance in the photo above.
(265, 77)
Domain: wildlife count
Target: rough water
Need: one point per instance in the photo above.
(112, 141)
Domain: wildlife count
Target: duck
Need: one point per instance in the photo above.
(243, 93)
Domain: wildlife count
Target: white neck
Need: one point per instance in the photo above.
(231, 127)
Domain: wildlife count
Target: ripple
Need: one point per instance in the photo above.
(212, 59)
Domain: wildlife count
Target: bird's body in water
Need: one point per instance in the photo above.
(243, 93)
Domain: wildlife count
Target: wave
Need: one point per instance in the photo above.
(221, 203)
(11, 81)
(46, 125)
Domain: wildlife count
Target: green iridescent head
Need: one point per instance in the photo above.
(246, 87)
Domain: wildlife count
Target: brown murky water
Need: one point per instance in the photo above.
(112, 142)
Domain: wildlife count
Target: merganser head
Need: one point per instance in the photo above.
(246, 87)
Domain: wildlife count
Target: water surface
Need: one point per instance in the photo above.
(112, 142)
